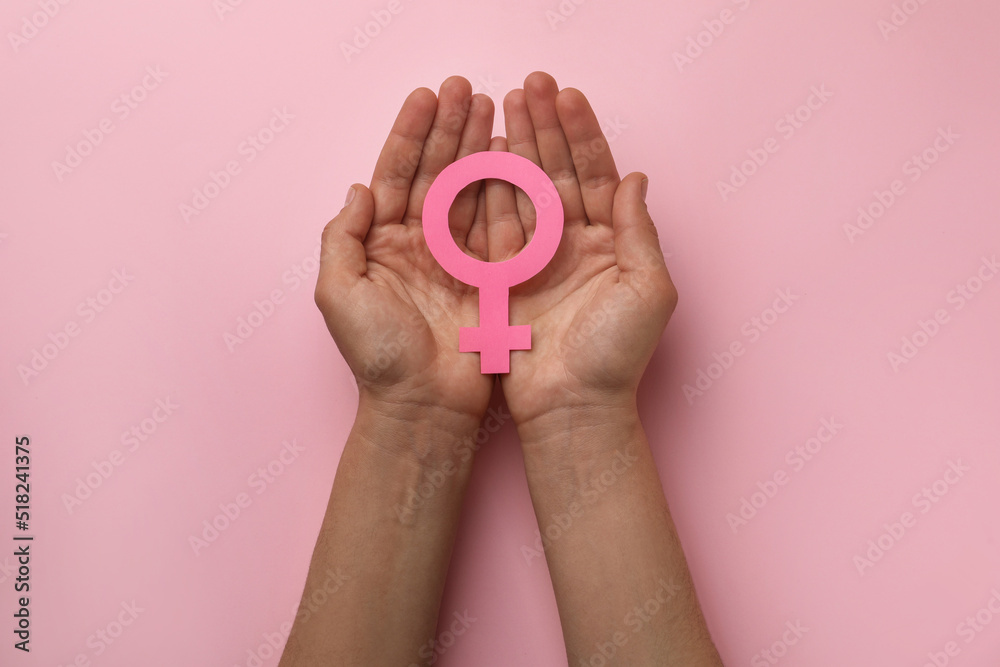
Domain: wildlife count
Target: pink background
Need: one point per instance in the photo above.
(686, 125)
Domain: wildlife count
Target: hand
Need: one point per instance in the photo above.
(598, 309)
(393, 312)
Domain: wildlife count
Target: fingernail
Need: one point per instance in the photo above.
(350, 196)
(645, 185)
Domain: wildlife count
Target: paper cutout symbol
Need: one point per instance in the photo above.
(494, 338)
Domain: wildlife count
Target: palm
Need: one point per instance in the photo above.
(394, 313)
(411, 311)
(587, 324)
(597, 310)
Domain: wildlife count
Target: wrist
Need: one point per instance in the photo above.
(431, 437)
(585, 461)
(581, 432)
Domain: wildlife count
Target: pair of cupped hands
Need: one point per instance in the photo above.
(596, 311)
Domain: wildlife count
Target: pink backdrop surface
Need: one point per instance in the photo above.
(823, 176)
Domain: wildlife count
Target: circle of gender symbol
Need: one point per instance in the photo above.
(494, 338)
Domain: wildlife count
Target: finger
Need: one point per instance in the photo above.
(475, 138)
(478, 127)
(637, 244)
(397, 164)
(592, 159)
(342, 259)
(520, 131)
(441, 147)
(540, 91)
(505, 235)
(477, 240)
(521, 141)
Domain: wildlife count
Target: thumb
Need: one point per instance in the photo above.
(342, 258)
(343, 250)
(637, 245)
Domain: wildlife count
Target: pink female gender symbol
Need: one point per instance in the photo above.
(494, 338)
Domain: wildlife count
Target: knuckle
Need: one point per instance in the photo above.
(670, 295)
(327, 232)
(320, 297)
(563, 174)
(505, 217)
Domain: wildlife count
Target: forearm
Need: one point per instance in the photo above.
(620, 577)
(385, 542)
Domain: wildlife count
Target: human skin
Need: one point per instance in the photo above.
(395, 316)
(597, 312)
